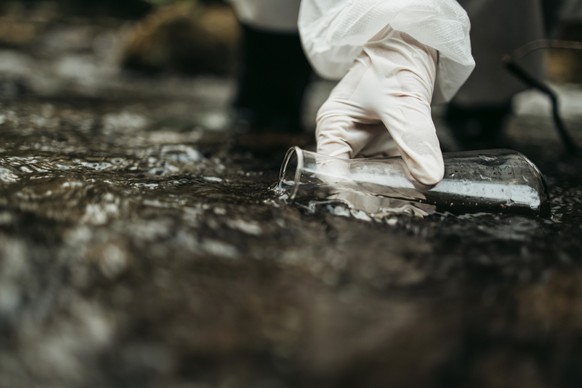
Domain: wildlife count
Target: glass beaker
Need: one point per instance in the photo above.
(475, 181)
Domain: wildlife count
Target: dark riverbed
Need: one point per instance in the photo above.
(141, 245)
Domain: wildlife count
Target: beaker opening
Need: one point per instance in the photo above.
(290, 173)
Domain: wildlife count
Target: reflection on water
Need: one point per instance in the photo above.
(158, 240)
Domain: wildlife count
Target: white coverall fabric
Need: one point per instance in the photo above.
(334, 31)
(498, 27)
(272, 15)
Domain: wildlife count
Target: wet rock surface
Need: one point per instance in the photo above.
(141, 245)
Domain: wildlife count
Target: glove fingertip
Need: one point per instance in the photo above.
(428, 170)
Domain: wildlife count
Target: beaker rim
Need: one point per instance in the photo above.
(293, 152)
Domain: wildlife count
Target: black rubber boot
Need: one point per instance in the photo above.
(478, 127)
(273, 75)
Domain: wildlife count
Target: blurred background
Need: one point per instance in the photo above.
(52, 47)
(169, 36)
(150, 37)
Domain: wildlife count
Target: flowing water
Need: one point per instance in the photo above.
(142, 244)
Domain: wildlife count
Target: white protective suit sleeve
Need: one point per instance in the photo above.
(333, 33)
(270, 15)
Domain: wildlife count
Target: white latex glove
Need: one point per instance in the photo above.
(382, 107)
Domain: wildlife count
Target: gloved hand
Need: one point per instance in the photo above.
(382, 107)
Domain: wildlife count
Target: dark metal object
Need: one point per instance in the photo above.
(511, 63)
